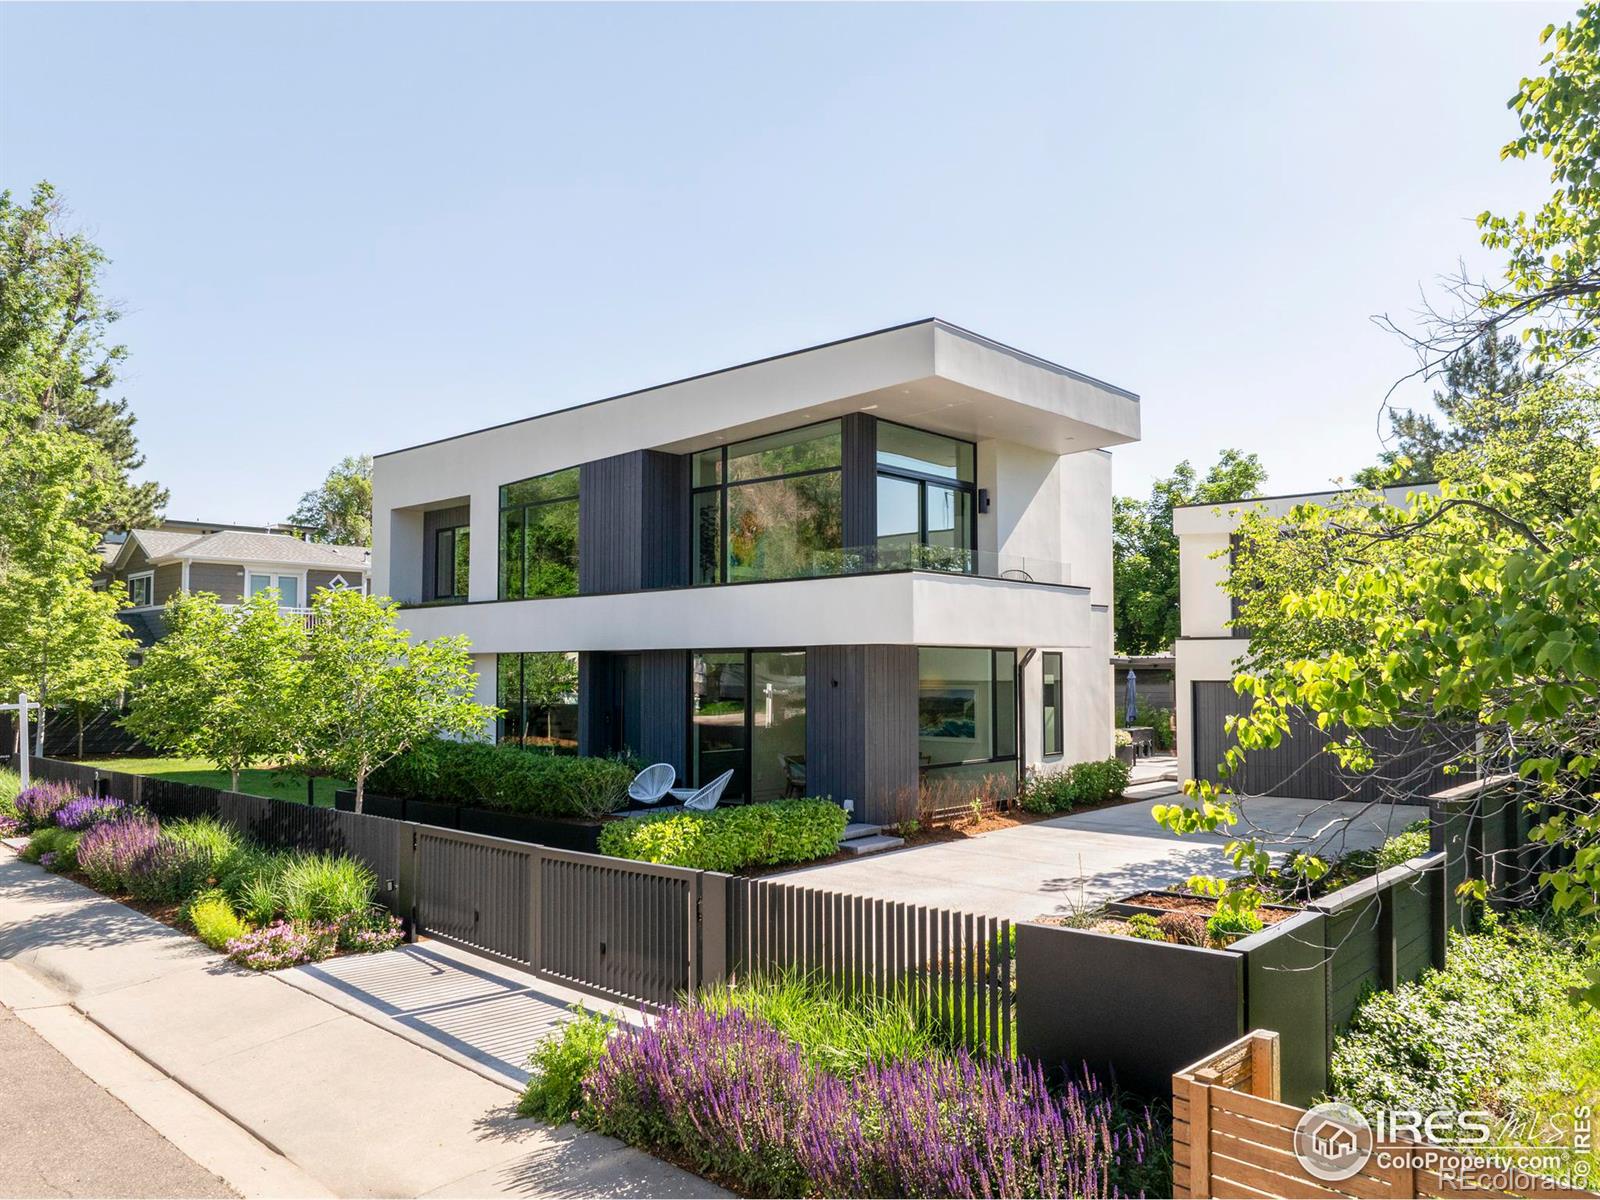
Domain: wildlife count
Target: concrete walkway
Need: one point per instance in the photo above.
(351, 1107)
(1049, 868)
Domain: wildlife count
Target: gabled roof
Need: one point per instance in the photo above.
(163, 545)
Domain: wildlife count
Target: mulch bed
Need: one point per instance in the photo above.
(1202, 905)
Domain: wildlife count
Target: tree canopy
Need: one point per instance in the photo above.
(1144, 549)
(57, 364)
(339, 510)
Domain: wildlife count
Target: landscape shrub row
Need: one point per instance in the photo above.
(726, 839)
(264, 908)
(1077, 785)
(768, 1090)
(507, 778)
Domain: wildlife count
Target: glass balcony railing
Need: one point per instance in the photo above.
(860, 560)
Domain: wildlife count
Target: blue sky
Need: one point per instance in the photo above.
(347, 228)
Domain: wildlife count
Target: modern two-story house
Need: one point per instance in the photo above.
(842, 571)
(1211, 647)
(230, 561)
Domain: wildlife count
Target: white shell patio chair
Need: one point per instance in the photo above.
(652, 784)
(706, 798)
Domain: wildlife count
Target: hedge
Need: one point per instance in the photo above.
(725, 839)
(506, 778)
(1074, 786)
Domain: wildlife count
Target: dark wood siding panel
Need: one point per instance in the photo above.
(224, 580)
(610, 509)
(1298, 766)
(432, 522)
(168, 582)
(664, 708)
(860, 482)
(861, 745)
(664, 522)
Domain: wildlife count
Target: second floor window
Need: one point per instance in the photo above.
(926, 491)
(539, 536)
(141, 590)
(450, 552)
(769, 508)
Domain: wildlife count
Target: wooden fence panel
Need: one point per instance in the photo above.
(953, 967)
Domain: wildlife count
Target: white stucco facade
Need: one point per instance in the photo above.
(1042, 435)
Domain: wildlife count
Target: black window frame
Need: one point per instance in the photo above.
(994, 707)
(524, 507)
(923, 479)
(439, 557)
(1049, 704)
(724, 485)
(747, 753)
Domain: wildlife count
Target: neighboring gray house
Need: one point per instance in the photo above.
(230, 561)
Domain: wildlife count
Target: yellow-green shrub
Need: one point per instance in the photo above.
(725, 839)
(214, 920)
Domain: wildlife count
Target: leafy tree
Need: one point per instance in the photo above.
(60, 639)
(56, 364)
(222, 684)
(548, 678)
(1482, 385)
(340, 509)
(371, 694)
(1145, 550)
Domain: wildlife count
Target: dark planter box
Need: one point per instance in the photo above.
(583, 836)
(434, 812)
(1126, 908)
(1125, 755)
(374, 804)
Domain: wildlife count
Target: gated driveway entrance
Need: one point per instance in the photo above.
(1049, 868)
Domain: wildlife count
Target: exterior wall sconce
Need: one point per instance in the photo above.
(983, 500)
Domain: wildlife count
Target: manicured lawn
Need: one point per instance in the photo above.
(258, 781)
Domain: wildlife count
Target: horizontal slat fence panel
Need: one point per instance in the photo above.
(953, 967)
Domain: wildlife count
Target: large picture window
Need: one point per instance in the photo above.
(768, 508)
(539, 536)
(1050, 662)
(748, 715)
(539, 695)
(927, 514)
(966, 710)
(450, 553)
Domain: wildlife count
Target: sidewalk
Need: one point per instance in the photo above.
(355, 1107)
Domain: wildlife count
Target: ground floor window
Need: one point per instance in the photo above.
(1052, 700)
(539, 693)
(747, 714)
(966, 708)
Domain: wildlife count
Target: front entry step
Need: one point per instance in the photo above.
(860, 829)
(873, 844)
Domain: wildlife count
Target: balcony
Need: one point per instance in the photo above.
(946, 560)
(883, 606)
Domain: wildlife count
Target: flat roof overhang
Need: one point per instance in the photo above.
(906, 608)
(929, 374)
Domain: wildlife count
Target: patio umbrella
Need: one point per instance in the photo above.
(1131, 713)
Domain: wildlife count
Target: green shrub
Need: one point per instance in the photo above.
(1073, 786)
(60, 844)
(193, 855)
(10, 785)
(1403, 847)
(554, 1091)
(1143, 925)
(506, 778)
(725, 839)
(1158, 719)
(214, 920)
(324, 887)
(1475, 1031)
(1225, 927)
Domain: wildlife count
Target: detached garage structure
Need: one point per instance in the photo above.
(1207, 652)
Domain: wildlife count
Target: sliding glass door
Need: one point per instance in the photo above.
(747, 712)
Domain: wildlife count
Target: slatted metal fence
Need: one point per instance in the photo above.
(954, 967)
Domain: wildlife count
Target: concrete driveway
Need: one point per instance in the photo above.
(1052, 867)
